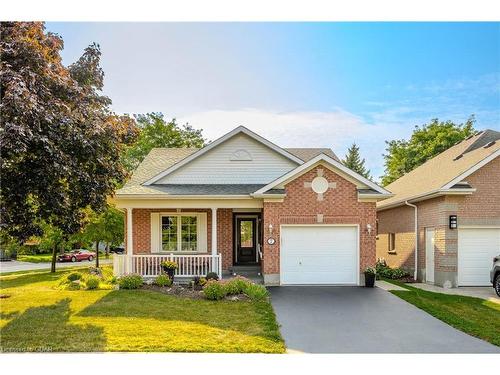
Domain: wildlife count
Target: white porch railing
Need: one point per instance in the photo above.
(149, 265)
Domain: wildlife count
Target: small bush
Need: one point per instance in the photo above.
(214, 290)
(92, 282)
(74, 285)
(236, 285)
(256, 292)
(131, 281)
(384, 271)
(212, 276)
(199, 281)
(163, 280)
(73, 276)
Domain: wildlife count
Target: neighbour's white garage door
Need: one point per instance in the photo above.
(319, 254)
(476, 249)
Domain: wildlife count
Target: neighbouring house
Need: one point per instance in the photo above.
(297, 215)
(451, 204)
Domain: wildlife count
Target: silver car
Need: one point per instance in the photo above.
(495, 274)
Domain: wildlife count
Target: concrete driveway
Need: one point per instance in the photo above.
(321, 319)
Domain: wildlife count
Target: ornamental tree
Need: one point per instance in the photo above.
(60, 141)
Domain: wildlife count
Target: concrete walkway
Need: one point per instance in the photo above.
(484, 292)
(322, 319)
(14, 265)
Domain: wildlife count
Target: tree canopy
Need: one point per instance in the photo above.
(354, 162)
(156, 132)
(61, 144)
(426, 142)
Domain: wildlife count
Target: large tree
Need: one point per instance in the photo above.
(354, 162)
(156, 132)
(60, 142)
(426, 142)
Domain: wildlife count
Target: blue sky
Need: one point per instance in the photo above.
(300, 84)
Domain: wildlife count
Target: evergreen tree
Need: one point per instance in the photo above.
(354, 162)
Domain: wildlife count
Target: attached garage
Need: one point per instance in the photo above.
(476, 249)
(319, 254)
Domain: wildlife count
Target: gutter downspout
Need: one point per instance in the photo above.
(416, 238)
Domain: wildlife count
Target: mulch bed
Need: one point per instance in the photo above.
(188, 292)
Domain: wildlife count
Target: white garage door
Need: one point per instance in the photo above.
(319, 254)
(476, 249)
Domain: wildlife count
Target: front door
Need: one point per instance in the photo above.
(246, 240)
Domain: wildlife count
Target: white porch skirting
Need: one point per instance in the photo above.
(149, 265)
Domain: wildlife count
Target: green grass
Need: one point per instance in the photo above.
(37, 258)
(38, 317)
(474, 316)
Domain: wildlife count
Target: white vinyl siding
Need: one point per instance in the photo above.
(319, 254)
(220, 165)
(476, 249)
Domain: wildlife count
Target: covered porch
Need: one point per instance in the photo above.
(200, 235)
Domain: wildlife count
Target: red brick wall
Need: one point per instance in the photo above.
(225, 236)
(300, 206)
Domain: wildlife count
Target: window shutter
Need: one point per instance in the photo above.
(155, 232)
(202, 232)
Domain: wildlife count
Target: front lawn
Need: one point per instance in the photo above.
(38, 317)
(37, 258)
(474, 316)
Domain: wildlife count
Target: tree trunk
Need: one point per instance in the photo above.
(97, 253)
(107, 250)
(54, 258)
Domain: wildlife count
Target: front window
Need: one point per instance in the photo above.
(179, 233)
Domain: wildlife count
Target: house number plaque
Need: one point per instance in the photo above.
(271, 241)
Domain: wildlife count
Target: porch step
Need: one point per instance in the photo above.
(250, 272)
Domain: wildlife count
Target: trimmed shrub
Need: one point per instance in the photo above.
(131, 281)
(162, 280)
(92, 282)
(73, 276)
(212, 276)
(384, 271)
(214, 290)
(256, 292)
(236, 285)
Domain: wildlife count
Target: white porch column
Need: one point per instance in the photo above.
(130, 244)
(214, 231)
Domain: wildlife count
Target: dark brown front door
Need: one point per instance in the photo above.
(246, 240)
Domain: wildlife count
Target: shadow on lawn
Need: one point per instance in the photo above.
(239, 316)
(19, 280)
(47, 329)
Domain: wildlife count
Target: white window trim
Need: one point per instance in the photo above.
(199, 232)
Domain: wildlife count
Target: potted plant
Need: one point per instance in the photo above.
(169, 268)
(370, 277)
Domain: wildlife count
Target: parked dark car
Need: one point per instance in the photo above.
(495, 274)
(117, 249)
(77, 256)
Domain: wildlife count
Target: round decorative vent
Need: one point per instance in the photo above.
(319, 185)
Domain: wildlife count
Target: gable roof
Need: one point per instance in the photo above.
(160, 159)
(210, 146)
(446, 170)
(373, 187)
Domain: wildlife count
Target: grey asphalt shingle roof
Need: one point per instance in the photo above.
(443, 168)
(159, 159)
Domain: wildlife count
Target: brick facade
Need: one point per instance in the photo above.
(480, 208)
(340, 205)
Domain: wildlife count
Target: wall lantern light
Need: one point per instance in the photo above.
(453, 222)
(270, 229)
(369, 228)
